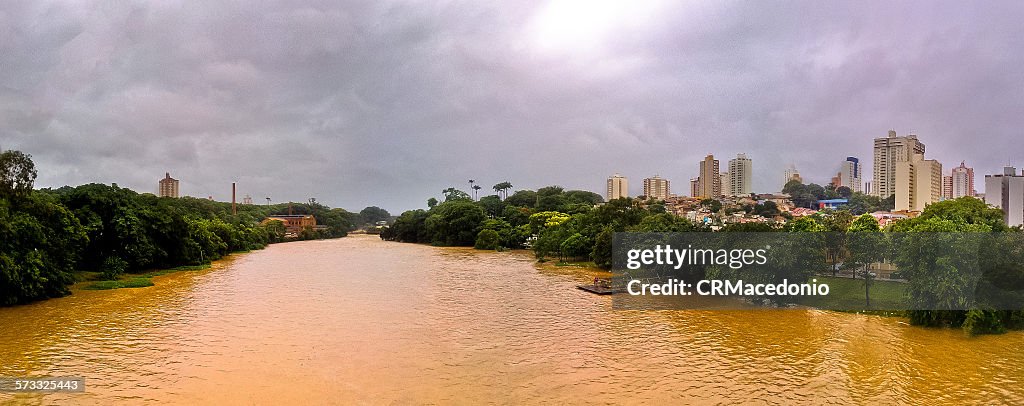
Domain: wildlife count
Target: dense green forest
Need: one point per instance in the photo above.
(47, 236)
(575, 226)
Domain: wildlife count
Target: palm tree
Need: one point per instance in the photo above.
(471, 182)
(475, 189)
(503, 188)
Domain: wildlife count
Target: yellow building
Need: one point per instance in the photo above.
(656, 188)
(710, 180)
(918, 183)
(293, 223)
(618, 187)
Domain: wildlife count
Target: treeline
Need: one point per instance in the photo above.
(48, 235)
(578, 226)
(807, 196)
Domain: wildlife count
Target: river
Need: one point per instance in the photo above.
(359, 320)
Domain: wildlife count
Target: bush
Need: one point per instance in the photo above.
(983, 322)
(487, 240)
(113, 268)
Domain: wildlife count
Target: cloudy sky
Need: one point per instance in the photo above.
(387, 103)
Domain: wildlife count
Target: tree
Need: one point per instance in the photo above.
(551, 198)
(806, 196)
(547, 219)
(522, 198)
(373, 214)
(454, 223)
(516, 216)
(806, 224)
(502, 189)
(487, 239)
(473, 188)
(492, 205)
(451, 194)
(835, 224)
(575, 247)
(664, 223)
(17, 174)
(712, 205)
(508, 235)
(602, 252)
(766, 209)
(970, 210)
(866, 246)
(860, 203)
(275, 230)
(431, 202)
(41, 243)
(409, 227)
(583, 197)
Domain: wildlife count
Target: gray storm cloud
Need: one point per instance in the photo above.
(384, 103)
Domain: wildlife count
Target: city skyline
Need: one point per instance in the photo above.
(387, 104)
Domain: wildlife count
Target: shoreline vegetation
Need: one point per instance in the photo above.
(116, 237)
(577, 226)
(95, 281)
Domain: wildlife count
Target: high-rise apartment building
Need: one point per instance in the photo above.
(962, 181)
(168, 186)
(723, 183)
(849, 174)
(918, 183)
(694, 187)
(741, 172)
(791, 174)
(618, 187)
(710, 178)
(947, 187)
(656, 188)
(888, 152)
(1006, 191)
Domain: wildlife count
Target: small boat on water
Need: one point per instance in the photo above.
(601, 286)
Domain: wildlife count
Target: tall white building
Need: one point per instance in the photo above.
(888, 152)
(1006, 191)
(962, 178)
(791, 174)
(741, 171)
(918, 183)
(618, 187)
(849, 174)
(656, 188)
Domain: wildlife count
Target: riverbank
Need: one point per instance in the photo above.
(134, 280)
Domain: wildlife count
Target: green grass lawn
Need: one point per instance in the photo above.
(848, 294)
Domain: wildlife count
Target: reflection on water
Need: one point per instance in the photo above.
(358, 320)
